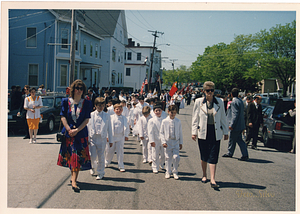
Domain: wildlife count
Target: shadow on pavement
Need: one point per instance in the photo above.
(124, 179)
(239, 185)
(99, 187)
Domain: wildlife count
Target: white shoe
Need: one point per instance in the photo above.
(106, 165)
(30, 141)
(144, 161)
(161, 166)
(175, 176)
(155, 171)
(34, 140)
(122, 170)
(167, 175)
(99, 177)
(92, 171)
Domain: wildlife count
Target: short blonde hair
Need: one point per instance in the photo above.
(208, 84)
(118, 105)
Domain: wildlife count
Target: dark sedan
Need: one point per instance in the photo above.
(278, 125)
(49, 114)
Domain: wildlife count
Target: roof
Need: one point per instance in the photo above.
(101, 22)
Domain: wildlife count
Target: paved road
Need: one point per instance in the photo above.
(264, 183)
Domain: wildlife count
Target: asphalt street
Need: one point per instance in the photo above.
(264, 183)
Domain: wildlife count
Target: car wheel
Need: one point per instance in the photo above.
(266, 138)
(50, 124)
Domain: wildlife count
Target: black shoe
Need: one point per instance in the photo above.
(204, 181)
(253, 147)
(76, 189)
(26, 137)
(227, 156)
(214, 185)
(244, 158)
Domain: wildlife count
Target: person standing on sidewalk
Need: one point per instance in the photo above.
(235, 117)
(22, 112)
(209, 124)
(75, 114)
(32, 105)
(254, 119)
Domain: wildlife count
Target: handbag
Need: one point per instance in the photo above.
(60, 137)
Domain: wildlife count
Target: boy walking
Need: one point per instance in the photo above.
(143, 132)
(120, 132)
(99, 128)
(154, 124)
(172, 139)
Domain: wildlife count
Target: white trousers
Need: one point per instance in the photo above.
(150, 152)
(97, 149)
(172, 156)
(145, 149)
(158, 156)
(118, 145)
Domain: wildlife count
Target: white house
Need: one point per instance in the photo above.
(138, 63)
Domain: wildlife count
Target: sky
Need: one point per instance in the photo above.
(189, 32)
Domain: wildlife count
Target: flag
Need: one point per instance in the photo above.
(143, 85)
(155, 92)
(173, 89)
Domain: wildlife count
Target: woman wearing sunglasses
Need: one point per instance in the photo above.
(75, 114)
(209, 124)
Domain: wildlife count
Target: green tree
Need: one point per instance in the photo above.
(278, 53)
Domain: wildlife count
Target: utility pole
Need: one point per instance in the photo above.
(72, 51)
(151, 65)
(173, 60)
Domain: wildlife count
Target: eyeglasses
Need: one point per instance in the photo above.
(210, 90)
(79, 88)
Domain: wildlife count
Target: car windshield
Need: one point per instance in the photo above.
(48, 101)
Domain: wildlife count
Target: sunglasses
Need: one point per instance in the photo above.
(79, 88)
(210, 90)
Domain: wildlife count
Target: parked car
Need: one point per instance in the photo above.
(278, 126)
(50, 114)
(268, 101)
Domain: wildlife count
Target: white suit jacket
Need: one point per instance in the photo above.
(199, 118)
(153, 128)
(142, 127)
(113, 118)
(165, 130)
(106, 130)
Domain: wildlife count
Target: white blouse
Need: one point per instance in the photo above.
(29, 103)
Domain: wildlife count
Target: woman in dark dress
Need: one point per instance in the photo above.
(75, 114)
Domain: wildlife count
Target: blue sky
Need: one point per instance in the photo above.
(190, 32)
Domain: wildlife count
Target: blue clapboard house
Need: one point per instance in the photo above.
(39, 47)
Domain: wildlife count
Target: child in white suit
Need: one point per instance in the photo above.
(143, 132)
(172, 140)
(120, 132)
(99, 129)
(158, 157)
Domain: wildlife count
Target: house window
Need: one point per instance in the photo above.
(33, 74)
(113, 54)
(139, 57)
(76, 41)
(63, 75)
(76, 72)
(64, 38)
(125, 55)
(84, 47)
(100, 53)
(118, 78)
(31, 37)
(121, 35)
(113, 79)
(119, 57)
(128, 55)
(128, 71)
(96, 51)
(121, 77)
(91, 49)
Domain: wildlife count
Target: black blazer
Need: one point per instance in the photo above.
(254, 115)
